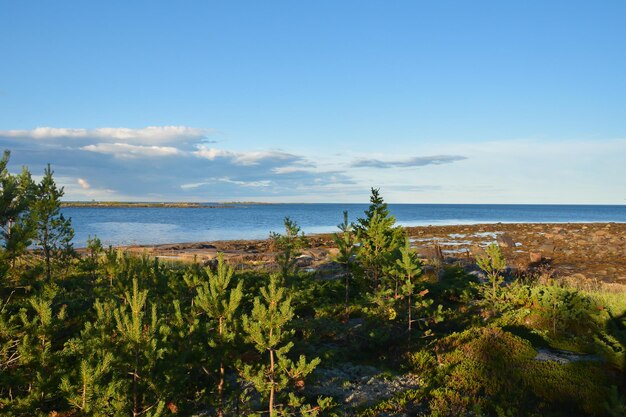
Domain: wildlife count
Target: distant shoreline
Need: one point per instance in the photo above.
(123, 204)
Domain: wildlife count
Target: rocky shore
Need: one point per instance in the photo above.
(584, 253)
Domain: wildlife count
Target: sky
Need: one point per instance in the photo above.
(317, 101)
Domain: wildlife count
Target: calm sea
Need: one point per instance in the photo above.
(126, 226)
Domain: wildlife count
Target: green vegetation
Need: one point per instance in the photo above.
(288, 246)
(109, 334)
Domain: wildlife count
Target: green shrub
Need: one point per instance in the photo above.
(421, 362)
(493, 372)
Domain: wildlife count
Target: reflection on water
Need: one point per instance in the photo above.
(149, 225)
(127, 233)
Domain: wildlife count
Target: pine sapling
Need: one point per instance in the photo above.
(346, 243)
(54, 232)
(379, 240)
(492, 262)
(288, 246)
(267, 328)
(138, 333)
(408, 268)
(220, 302)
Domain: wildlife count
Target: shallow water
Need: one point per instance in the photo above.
(149, 225)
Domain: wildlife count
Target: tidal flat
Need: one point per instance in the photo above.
(583, 253)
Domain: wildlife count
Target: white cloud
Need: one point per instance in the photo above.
(253, 158)
(260, 183)
(228, 180)
(245, 158)
(290, 170)
(146, 135)
(212, 153)
(193, 185)
(125, 150)
(83, 183)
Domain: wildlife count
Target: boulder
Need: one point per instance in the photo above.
(211, 264)
(505, 241)
(480, 275)
(547, 247)
(476, 250)
(200, 245)
(304, 260)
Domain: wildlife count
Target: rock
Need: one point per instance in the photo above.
(563, 357)
(331, 266)
(547, 247)
(201, 245)
(535, 257)
(428, 268)
(480, 275)
(211, 264)
(169, 247)
(505, 241)
(304, 260)
(356, 386)
(426, 252)
(476, 250)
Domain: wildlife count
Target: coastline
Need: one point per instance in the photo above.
(586, 252)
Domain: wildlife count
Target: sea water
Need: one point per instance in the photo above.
(153, 225)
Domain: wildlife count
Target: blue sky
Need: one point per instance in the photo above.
(446, 101)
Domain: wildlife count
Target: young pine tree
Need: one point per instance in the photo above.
(220, 302)
(408, 269)
(380, 240)
(41, 323)
(54, 232)
(86, 393)
(16, 194)
(138, 336)
(90, 383)
(91, 262)
(288, 246)
(346, 243)
(267, 328)
(492, 262)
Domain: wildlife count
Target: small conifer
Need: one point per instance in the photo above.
(346, 243)
(54, 232)
(220, 302)
(267, 328)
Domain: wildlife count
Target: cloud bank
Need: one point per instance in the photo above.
(148, 135)
(162, 163)
(179, 163)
